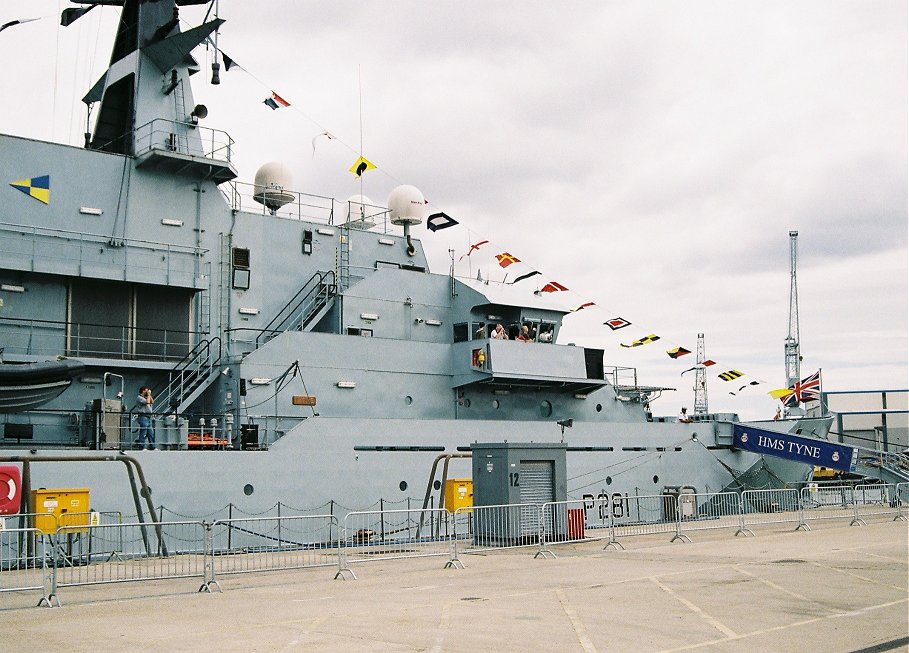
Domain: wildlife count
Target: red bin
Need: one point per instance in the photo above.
(575, 523)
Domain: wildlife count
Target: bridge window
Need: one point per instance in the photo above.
(461, 332)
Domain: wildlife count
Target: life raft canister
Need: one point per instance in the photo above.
(10, 490)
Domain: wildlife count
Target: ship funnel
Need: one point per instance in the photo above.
(272, 180)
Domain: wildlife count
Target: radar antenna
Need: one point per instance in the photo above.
(793, 356)
(700, 380)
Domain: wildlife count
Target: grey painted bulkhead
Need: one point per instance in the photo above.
(150, 218)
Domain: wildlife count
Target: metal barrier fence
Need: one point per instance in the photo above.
(394, 534)
(117, 553)
(646, 515)
(700, 512)
(611, 517)
(84, 552)
(770, 507)
(869, 500)
(272, 543)
(482, 528)
(901, 493)
(826, 502)
(25, 569)
(576, 520)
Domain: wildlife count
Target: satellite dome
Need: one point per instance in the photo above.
(360, 212)
(358, 207)
(406, 205)
(272, 181)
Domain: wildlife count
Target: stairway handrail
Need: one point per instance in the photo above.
(314, 286)
(201, 357)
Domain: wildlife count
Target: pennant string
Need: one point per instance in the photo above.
(473, 244)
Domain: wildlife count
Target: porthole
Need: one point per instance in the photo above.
(436, 484)
(402, 485)
(495, 404)
(248, 489)
(545, 408)
(408, 400)
(466, 402)
(608, 480)
(656, 479)
(599, 408)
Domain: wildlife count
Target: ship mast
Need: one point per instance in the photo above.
(700, 380)
(793, 357)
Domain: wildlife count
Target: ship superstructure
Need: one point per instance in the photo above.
(297, 346)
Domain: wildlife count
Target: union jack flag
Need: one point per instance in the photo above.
(805, 390)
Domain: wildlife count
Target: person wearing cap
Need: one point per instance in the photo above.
(683, 416)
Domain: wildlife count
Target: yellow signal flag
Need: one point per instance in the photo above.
(360, 166)
(779, 393)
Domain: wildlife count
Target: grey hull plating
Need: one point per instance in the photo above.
(351, 462)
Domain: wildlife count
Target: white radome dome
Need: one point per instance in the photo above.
(272, 184)
(358, 207)
(406, 205)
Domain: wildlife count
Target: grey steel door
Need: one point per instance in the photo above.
(537, 480)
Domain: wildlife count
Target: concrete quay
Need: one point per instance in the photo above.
(834, 588)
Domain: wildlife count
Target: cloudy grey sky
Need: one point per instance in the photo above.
(651, 156)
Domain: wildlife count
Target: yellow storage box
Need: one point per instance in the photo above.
(60, 507)
(458, 493)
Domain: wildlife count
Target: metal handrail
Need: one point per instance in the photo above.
(188, 371)
(294, 314)
(218, 141)
(105, 346)
(153, 245)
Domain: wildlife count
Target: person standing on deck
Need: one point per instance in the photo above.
(145, 412)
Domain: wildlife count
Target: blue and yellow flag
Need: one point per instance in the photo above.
(37, 187)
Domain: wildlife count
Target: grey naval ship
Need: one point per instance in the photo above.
(297, 348)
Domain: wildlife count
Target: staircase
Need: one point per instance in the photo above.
(888, 466)
(305, 309)
(190, 377)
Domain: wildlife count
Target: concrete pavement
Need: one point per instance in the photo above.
(835, 588)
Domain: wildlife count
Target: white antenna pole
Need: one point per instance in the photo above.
(700, 380)
(793, 354)
(215, 65)
(360, 90)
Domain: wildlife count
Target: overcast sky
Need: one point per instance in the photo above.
(650, 156)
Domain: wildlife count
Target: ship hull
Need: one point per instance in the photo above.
(341, 464)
